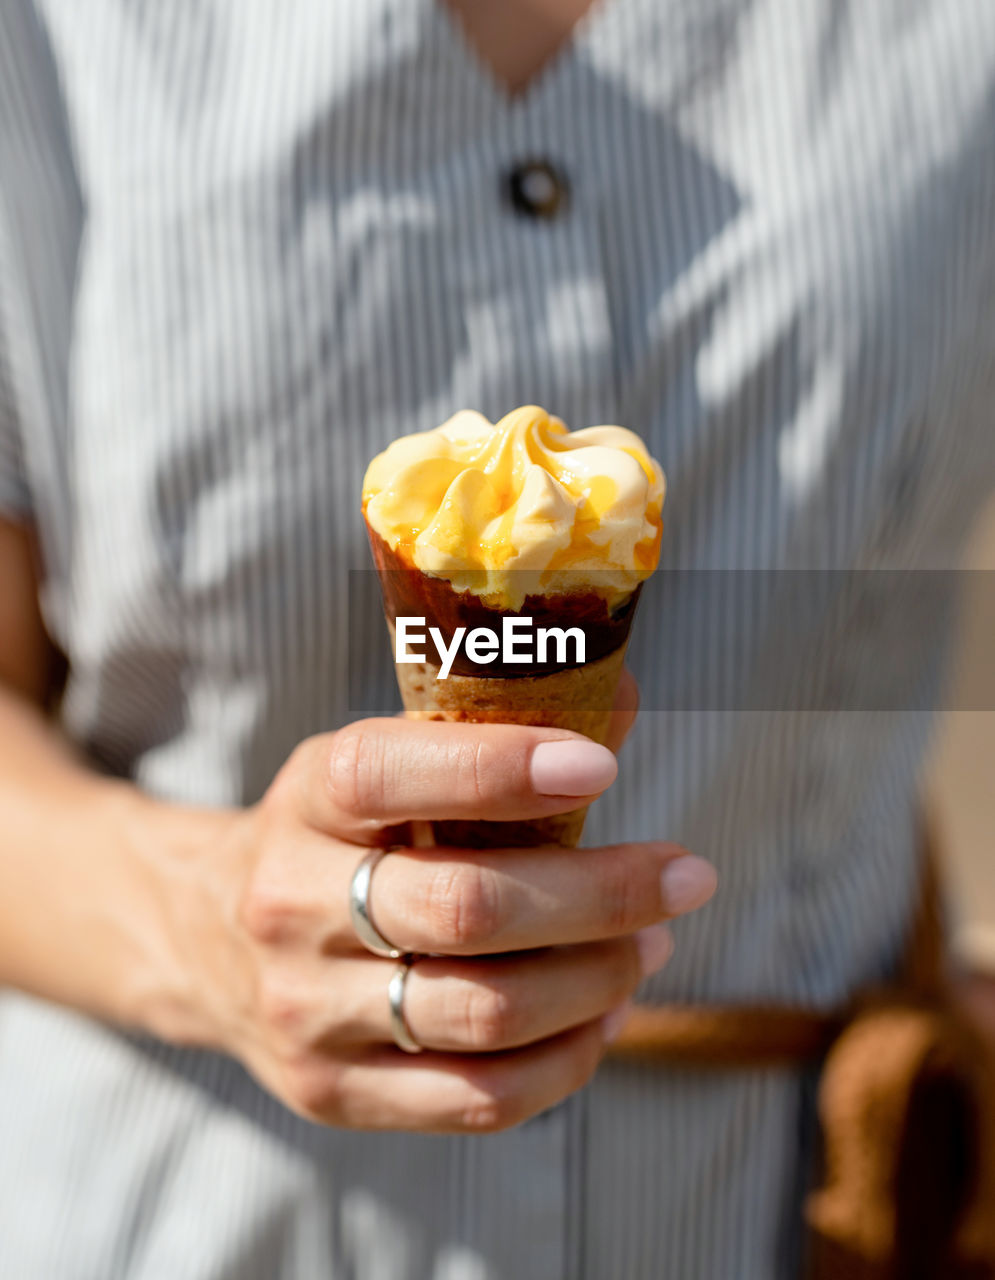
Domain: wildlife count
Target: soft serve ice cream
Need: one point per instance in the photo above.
(520, 508)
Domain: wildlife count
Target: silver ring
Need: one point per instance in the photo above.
(359, 909)
(395, 996)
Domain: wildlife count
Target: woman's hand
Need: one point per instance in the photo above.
(530, 949)
(232, 929)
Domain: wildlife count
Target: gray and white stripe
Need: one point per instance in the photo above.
(243, 245)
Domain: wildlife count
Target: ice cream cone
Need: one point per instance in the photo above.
(473, 525)
(579, 698)
(572, 697)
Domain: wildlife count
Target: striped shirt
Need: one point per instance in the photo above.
(246, 243)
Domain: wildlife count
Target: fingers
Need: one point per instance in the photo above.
(467, 902)
(485, 902)
(483, 1006)
(443, 1093)
(379, 773)
(460, 1006)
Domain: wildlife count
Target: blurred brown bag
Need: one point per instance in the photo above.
(906, 1111)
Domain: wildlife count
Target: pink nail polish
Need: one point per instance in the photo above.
(613, 1022)
(686, 882)
(656, 945)
(572, 768)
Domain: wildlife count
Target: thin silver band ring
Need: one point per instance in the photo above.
(359, 909)
(395, 996)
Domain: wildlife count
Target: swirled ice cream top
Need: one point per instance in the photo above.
(525, 499)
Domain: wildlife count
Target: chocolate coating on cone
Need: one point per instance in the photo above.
(407, 592)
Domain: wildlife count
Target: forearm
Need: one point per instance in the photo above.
(93, 880)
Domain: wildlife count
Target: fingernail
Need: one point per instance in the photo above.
(572, 768)
(613, 1022)
(686, 882)
(655, 945)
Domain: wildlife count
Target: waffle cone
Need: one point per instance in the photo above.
(579, 698)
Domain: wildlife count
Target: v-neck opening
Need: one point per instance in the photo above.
(539, 84)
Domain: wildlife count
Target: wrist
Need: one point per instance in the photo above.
(174, 858)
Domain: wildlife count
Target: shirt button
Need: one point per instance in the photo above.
(537, 189)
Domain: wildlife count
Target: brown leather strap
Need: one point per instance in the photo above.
(782, 1035)
(726, 1036)
(925, 964)
(907, 1108)
(906, 1105)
